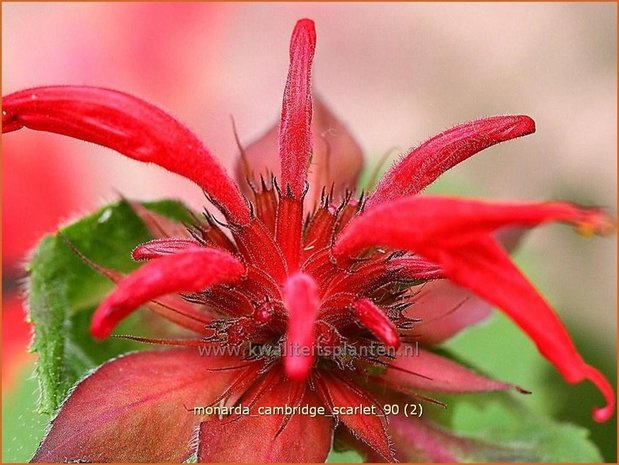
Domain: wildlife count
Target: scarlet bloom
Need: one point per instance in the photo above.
(298, 293)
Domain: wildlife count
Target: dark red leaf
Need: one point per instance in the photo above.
(134, 409)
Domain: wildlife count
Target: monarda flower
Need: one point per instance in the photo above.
(304, 295)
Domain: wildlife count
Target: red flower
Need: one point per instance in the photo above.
(291, 307)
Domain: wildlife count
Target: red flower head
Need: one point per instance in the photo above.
(297, 304)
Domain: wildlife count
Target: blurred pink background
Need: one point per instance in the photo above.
(394, 73)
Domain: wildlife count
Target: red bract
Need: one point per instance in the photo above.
(298, 298)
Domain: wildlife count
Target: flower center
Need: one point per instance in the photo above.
(362, 304)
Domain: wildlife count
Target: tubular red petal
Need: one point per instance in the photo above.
(337, 158)
(128, 125)
(487, 270)
(189, 271)
(171, 307)
(295, 146)
(161, 247)
(456, 235)
(435, 156)
(373, 318)
(418, 222)
(302, 304)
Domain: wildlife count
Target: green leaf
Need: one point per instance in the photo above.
(527, 424)
(22, 427)
(173, 209)
(64, 292)
(506, 421)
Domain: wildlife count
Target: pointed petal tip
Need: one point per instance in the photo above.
(601, 414)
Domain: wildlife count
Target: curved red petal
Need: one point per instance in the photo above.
(295, 144)
(302, 304)
(189, 271)
(443, 308)
(145, 392)
(128, 125)
(486, 269)
(456, 235)
(375, 319)
(172, 307)
(427, 162)
(432, 221)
